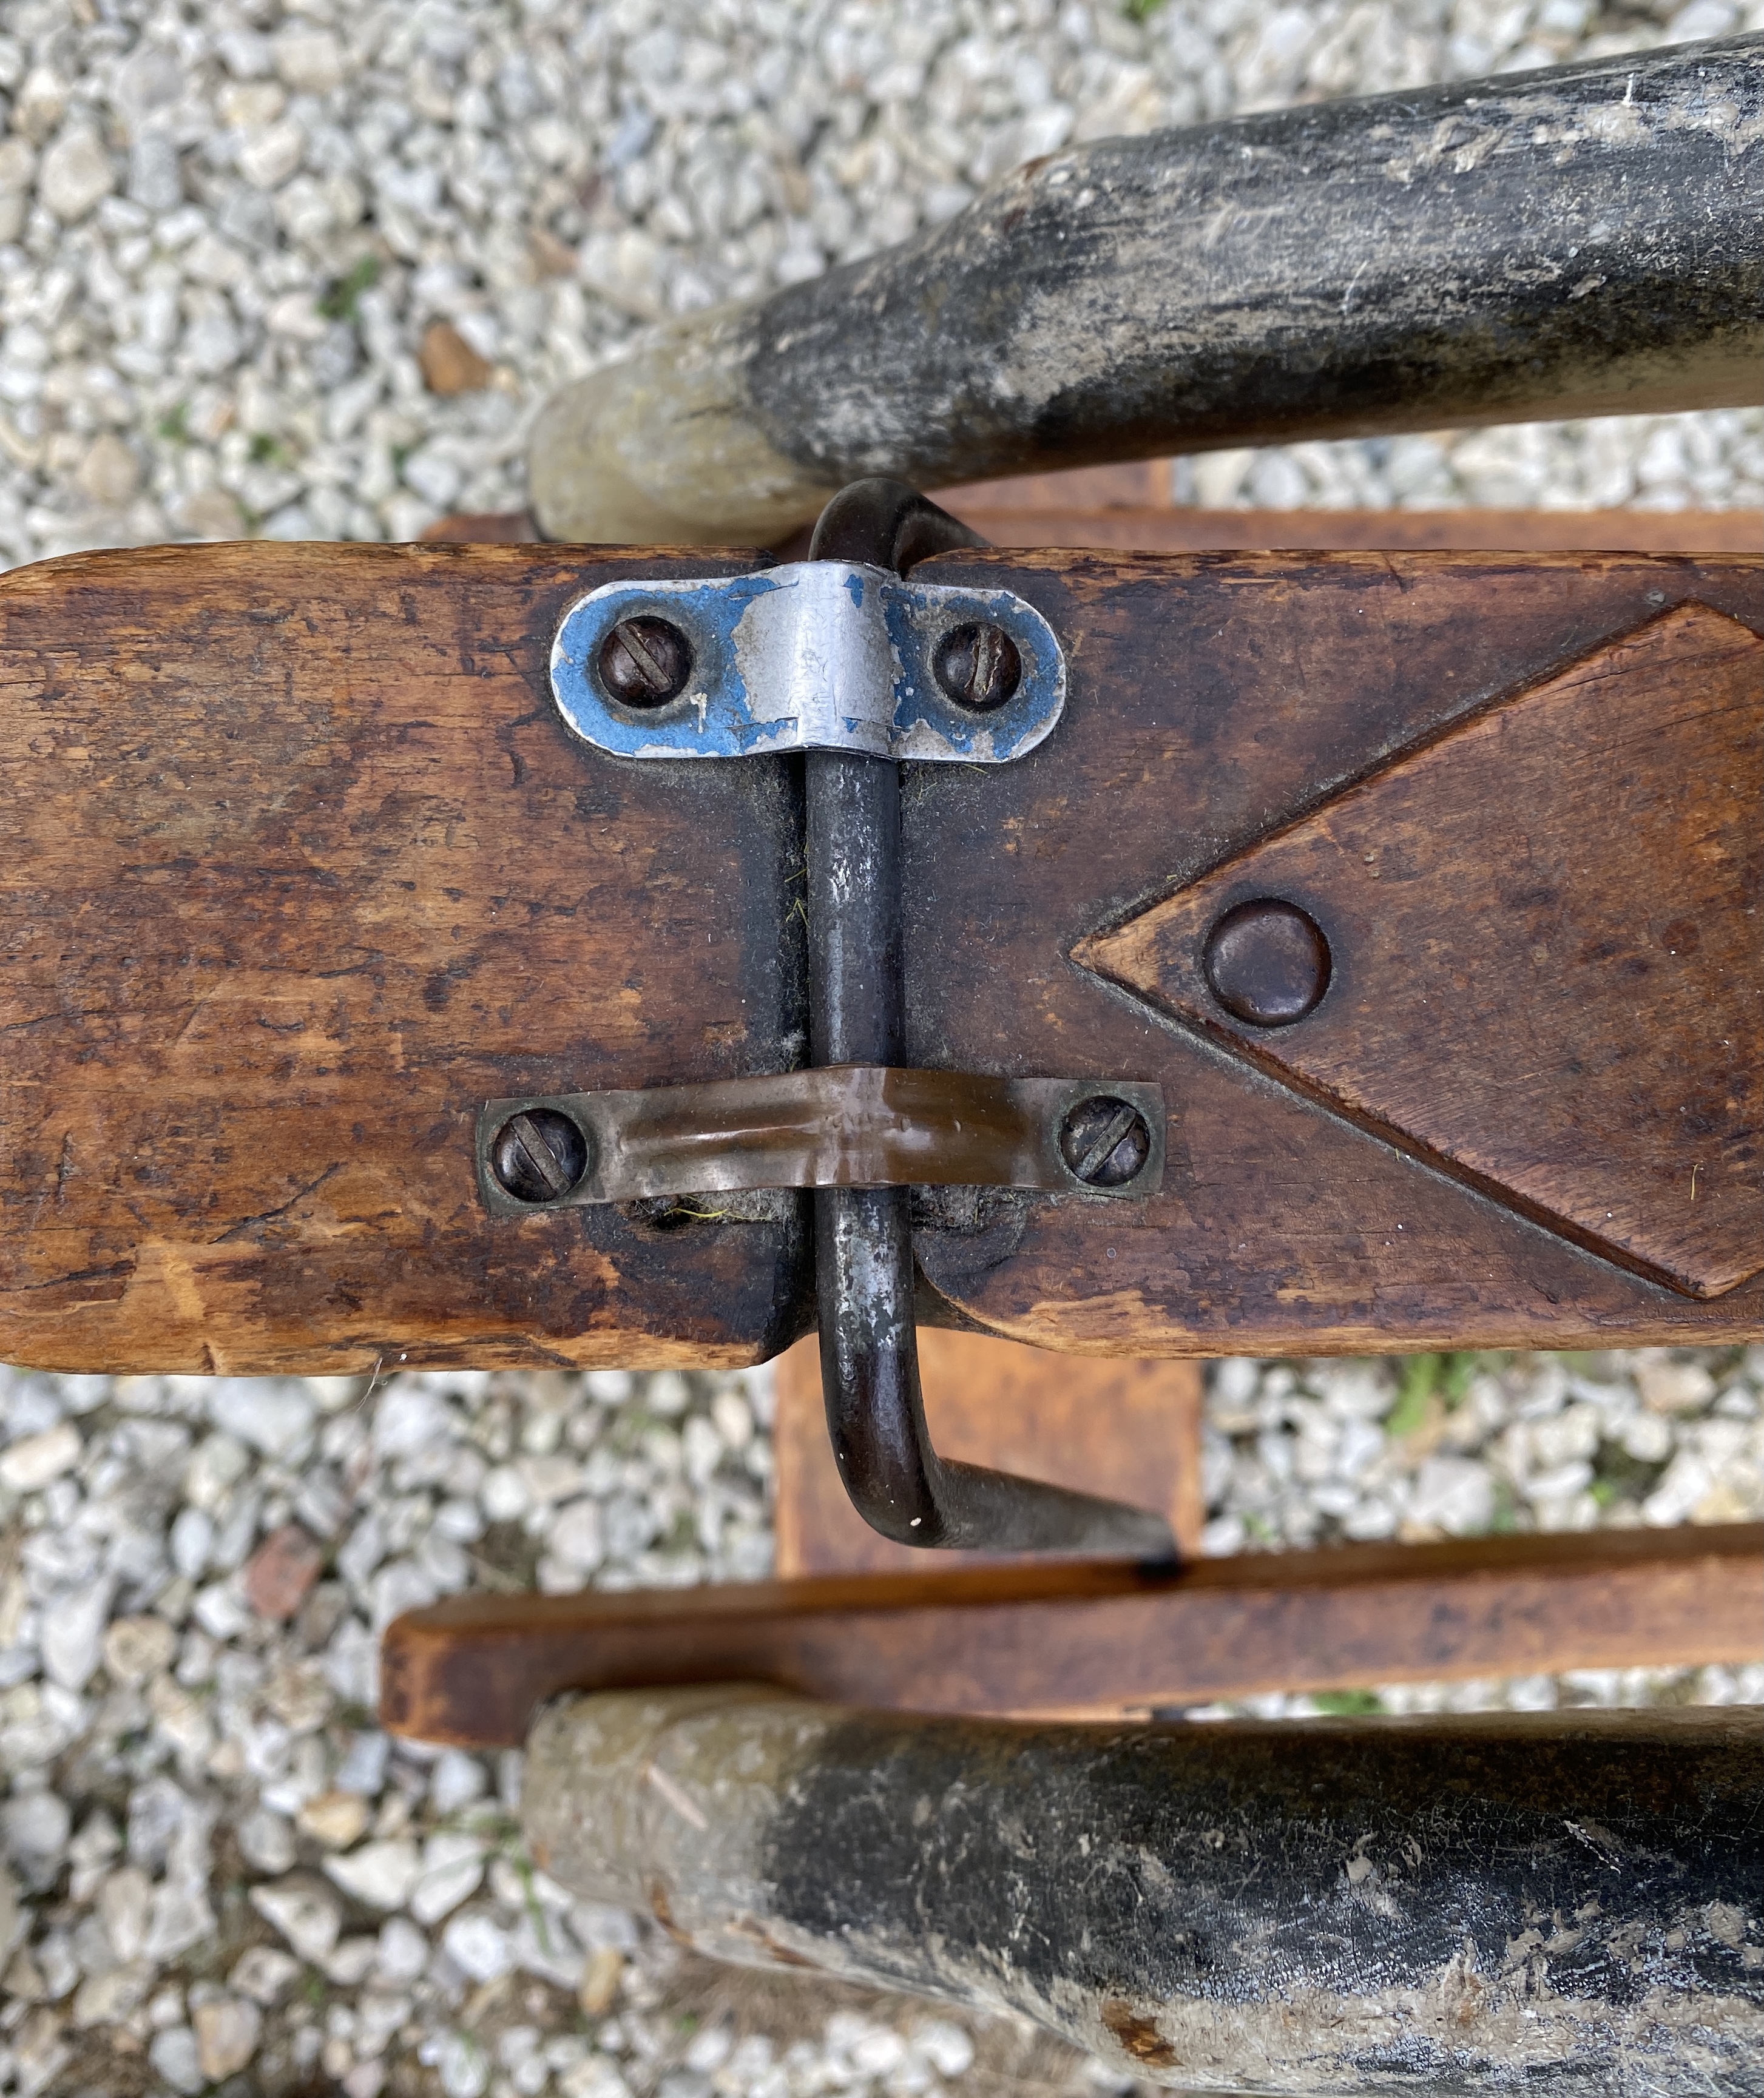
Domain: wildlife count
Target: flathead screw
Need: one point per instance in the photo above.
(538, 1155)
(1267, 963)
(1105, 1141)
(978, 667)
(645, 662)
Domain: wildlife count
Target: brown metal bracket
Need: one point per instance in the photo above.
(844, 1125)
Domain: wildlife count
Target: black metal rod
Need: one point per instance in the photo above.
(1578, 240)
(863, 1253)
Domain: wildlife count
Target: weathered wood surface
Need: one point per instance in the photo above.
(1484, 900)
(1171, 529)
(302, 867)
(1215, 702)
(1128, 1431)
(1094, 1639)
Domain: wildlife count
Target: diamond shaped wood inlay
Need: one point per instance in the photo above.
(1545, 950)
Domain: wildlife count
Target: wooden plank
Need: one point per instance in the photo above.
(302, 866)
(1216, 701)
(1090, 1639)
(1129, 1431)
(1130, 508)
(1126, 508)
(1172, 530)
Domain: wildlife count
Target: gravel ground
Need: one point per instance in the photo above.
(307, 270)
(218, 1860)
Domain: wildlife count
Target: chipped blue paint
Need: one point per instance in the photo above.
(810, 655)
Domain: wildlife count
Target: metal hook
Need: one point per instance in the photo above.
(863, 1255)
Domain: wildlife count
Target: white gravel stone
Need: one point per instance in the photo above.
(219, 1463)
(264, 1974)
(575, 1536)
(36, 1825)
(451, 1870)
(403, 1953)
(73, 1636)
(273, 1417)
(479, 1946)
(176, 2059)
(227, 2031)
(77, 171)
(125, 1906)
(304, 1912)
(381, 1874)
(28, 1466)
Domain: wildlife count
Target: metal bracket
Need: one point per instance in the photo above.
(845, 1125)
(841, 660)
(811, 656)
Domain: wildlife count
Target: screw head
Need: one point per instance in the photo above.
(978, 666)
(1267, 963)
(645, 662)
(538, 1155)
(1105, 1141)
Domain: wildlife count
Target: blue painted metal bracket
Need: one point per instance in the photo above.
(810, 655)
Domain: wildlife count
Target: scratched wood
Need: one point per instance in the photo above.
(1128, 1431)
(1215, 702)
(302, 867)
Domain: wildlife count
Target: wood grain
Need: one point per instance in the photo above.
(1567, 882)
(1091, 1639)
(1172, 528)
(1129, 1431)
(302, 867)
(1214, 702)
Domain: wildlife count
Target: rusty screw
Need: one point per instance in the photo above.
(1105, 1141)
(978, 666)
(1267, 963)
(645, 662)
(538, 1155)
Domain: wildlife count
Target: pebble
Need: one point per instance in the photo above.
(124, 1905)
(335, 1819)
(1671, 1386)
(479, 1946)
(77, 171)
(448, 362)
(176, 2059)
(307, 1915)
(227, 2031)
(270, 1415)
(29, 1465)
(36, 1825)
(381, 1874)
(280, 1574)
(451, 1870)
(137, 1648)
(73, 1636)
(264, 1974)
